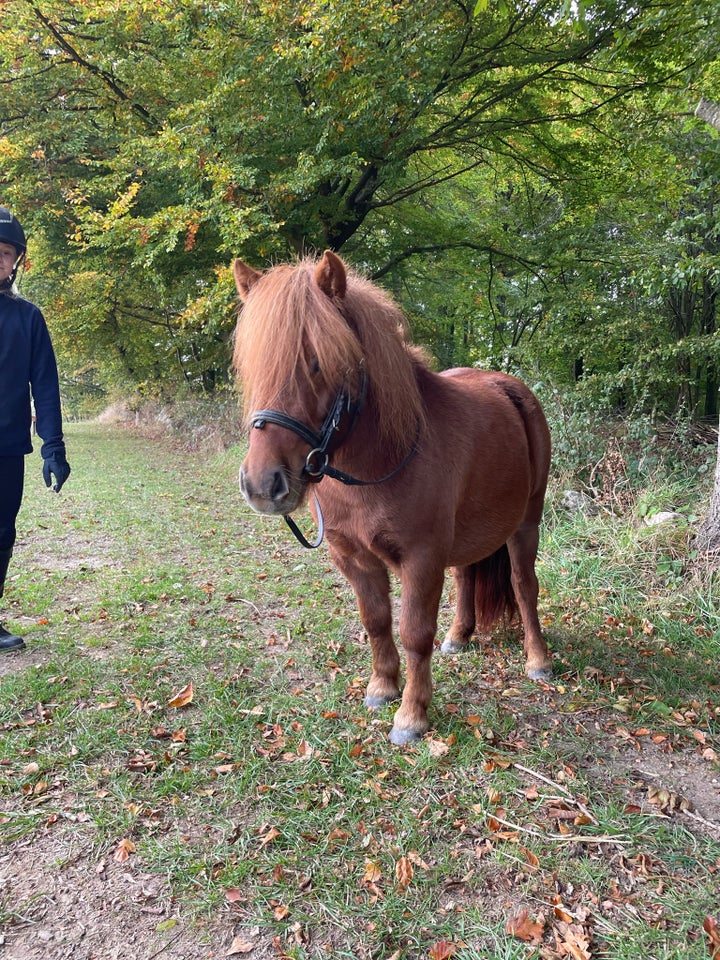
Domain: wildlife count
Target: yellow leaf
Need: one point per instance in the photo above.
(372, 872)
(183, 697)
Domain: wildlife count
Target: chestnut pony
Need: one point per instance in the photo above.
(416, 471)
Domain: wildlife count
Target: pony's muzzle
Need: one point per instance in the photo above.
(271, 494)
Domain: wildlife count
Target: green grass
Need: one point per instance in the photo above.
(148, 573)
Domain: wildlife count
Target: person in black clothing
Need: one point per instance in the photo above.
(27, 369)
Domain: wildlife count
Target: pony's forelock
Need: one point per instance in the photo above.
(289, 327)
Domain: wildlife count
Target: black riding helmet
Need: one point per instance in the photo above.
(11, 232)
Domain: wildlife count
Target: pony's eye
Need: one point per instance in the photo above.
(314, 366)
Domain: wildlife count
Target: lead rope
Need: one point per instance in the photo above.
(348, 481)
(300, 536)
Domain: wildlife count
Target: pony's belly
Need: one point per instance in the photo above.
(474, 541)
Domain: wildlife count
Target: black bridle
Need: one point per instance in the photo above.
(336, 428)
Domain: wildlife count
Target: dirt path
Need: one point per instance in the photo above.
(63, 896)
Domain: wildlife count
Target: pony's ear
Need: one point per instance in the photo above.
(331, 276)
(245, 278)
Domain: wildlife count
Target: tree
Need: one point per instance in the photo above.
(708, 536)
(152, 142)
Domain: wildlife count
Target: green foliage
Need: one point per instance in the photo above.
(524, 178)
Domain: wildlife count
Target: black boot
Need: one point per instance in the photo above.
(8, 641)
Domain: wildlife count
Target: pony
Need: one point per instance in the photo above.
(413, 471)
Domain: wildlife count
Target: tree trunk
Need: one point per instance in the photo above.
(708, 536)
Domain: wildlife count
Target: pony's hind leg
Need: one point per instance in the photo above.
(369, 579)
(523, 547)
(463, 625)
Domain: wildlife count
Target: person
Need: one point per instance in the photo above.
(28, 374)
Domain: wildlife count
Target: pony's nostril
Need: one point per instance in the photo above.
(279, 488)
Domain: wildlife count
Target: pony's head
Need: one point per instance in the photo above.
(307, 334)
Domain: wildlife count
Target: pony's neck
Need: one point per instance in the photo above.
(370, 448)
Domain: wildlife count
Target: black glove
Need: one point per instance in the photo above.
(56, 466)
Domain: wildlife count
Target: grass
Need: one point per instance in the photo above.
(274, 800)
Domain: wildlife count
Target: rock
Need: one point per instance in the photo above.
(664, 516)
(577, 502)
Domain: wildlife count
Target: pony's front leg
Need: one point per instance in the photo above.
(369, 579)
(463, 625)
(421, 592)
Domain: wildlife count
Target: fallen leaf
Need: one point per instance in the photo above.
(522, 927)
(530, 857)
(272, 834)
(667, 799)
(123, 850)
(442, 950)
(404, 872)
(238, 946)
(183, 697)
(414, 857)
(372, 874)
(710, 926)
(575, 941)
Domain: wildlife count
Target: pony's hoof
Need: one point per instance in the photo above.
(401, 738)
(373, 703)
(452, 646)
(540, 673)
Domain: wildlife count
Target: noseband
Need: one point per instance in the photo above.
(317, 462)
(322, 443)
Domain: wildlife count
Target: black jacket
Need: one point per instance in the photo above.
(27, 365)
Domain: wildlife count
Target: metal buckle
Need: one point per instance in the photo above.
(316, 469)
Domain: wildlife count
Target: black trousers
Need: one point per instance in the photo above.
(12, 478)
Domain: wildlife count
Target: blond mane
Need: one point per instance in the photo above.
(289, 326)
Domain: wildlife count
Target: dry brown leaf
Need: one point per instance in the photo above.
(240, 946)
(443, 950)
(437, 748)
(123, 850)
(404, 872)
(575, 942)
(522, 927)
(530, 857)
(372, 874)
(414, 857)
(711, 928)
(272, 834)
(183, 697)
(667, 800)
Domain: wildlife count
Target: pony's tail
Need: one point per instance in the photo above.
(494, 594)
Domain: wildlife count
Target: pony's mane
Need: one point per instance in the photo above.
(289, 326)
